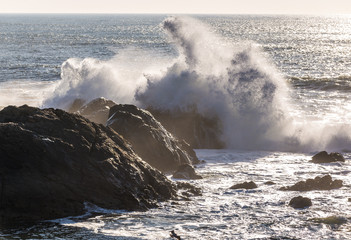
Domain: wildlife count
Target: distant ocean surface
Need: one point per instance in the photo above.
(279, 84)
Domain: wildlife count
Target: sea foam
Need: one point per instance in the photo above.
(234, 82)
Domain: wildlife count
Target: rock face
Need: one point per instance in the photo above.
(300, 202)
(245, 185)
(150, 140)
(186, 171)
(197, 130)
(96, 111)
(324, 157)
(51, 162)
(318, 183)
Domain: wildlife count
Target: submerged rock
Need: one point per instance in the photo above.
(199, 131)
(324, 157)
(96, 110)
(150, 140)
(51, 162)
(332, 220)
(318, 183)
(300, 202)
(245, 185)
(186, 171)
(269, 183)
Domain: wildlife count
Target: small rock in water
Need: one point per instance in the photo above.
(174, 235)
(324, 157)
(318, 183)
(332, 220)
(186, 171)
(300, 202)
(245, 185)
(269, 183)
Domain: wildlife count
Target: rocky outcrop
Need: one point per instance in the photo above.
(197, 130)
(318, 183)
(96, 110)
(150, 140)
(244, 185)
(51, 162)
(324, 157)
(186, 171)
(300, 202)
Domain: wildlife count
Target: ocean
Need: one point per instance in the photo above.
(280, 86)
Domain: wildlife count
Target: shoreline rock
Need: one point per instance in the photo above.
(186, 171)
(318, 183)
(149, 139)
(244, 185)
(300, 202)
(324, 157)
(51, 162)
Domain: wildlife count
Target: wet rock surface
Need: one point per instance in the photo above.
(318, 183)
(300, 202)
(244, 185)
(195, 129)
(324, 157)
(150, 140)
(51, 162)
(96, 110)
(186, 171)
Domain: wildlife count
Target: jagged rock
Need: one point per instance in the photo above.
(300, 202)
(195, 129)
(318, 183)
(96, 110)
(186, 171)
(150, 140)
(51, 162)
(324, 157)
(245, 185)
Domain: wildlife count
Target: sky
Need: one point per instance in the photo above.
(178, 6)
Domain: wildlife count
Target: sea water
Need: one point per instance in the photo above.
(279, 84)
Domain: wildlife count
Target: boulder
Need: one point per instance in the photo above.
(318, 183)
(197, 130)
(186, 171)
(324, 157)
(96, 110)
(300, 202)
(244, 185)
(52, 162)
(150, 140)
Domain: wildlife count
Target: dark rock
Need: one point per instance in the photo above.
(245, 185)
(197, 130)
(188, 189)
(96, 111)
(318, 183)
(332, 220)
(174, 235)
(150, 140)
(269, 183)
(324, 157)
(186, 171)
(349, 199)
(300, 202)
(51, 162)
